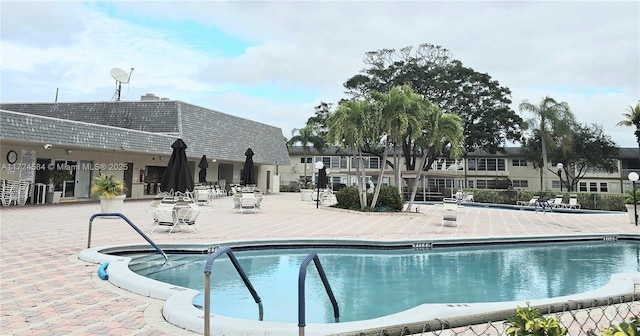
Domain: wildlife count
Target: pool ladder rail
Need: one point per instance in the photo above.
(301, 285)
(123, 217)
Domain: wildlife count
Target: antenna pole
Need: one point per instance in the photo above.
(56, 95)
(119, 85)
(130, 75)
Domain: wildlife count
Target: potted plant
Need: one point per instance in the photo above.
(57, 177)
(628, 200)
(111, 192)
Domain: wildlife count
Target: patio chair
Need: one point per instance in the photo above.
(573, 202)
(468, 197)
(248, 202)
(165, 215)
(187, 216)
(558, 202)
(450, 212)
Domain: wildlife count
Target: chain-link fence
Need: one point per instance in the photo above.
(579, 317)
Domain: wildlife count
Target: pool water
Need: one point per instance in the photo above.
(374, 283)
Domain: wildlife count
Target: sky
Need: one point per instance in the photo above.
(273, 61)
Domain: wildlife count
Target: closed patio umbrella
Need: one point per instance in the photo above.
(322, 178)
(248, 175)
(203, 165)
(177, 176)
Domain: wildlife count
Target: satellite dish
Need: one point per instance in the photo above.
(120, 75)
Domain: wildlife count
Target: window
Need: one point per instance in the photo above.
(472, 164)
(519, 163)
(485, 184)
(470, 182)
(370, 162)
(309, 160)
(332, 161)
(487, 164)
(520, 183)
(555, 184)
(583, 186)
(604, 187)
(593, 186)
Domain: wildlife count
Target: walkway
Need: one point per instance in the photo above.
(46, 290)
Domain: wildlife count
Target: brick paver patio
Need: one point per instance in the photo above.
(46, 290)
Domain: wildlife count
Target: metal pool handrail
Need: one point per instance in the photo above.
(207, 284)
(132, 225)
(301, 299)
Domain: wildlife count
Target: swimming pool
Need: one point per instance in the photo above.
(403, 274)
(370, 283)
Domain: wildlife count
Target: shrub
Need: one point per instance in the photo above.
(529, 321)
(389, 198)
(624, 329)
(348, 198)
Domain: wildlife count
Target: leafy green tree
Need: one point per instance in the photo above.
(348, 127)
(319, 119)
(632, 119)
(550, 118)
(590, 149)
(306, 136)
(481, 102)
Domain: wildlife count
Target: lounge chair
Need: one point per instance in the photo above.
(558, 202)
(532, 202)
(450, 212)
(573, 202)
(247, 202)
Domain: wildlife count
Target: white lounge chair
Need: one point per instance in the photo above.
(573, 202)
(248, 202)
(450, 212)
(532, 202)
(558, 202)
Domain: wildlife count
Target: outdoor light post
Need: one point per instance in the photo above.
(319, 165)
(560, 166)
(633, 177)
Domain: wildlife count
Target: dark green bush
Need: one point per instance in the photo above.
(593, 201)
(388, 199)
(348, 198)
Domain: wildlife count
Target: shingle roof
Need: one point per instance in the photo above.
(32, 128)
(205, 131)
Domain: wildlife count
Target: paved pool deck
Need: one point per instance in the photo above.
(46, 290)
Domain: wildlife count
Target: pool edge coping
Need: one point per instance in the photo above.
(179, 310)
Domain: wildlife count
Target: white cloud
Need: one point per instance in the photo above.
(534, 48)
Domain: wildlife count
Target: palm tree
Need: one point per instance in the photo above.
(550, 117)
(306, 136)
(349, 127)
(440, 131)
(399, 112)
(632, 118)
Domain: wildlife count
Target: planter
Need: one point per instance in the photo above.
(112, 205)
(630, 211)
(53, 197)
(306, 194)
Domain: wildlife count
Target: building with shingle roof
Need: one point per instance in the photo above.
(136, 135)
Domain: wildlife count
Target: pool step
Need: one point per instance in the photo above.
(154, 263)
